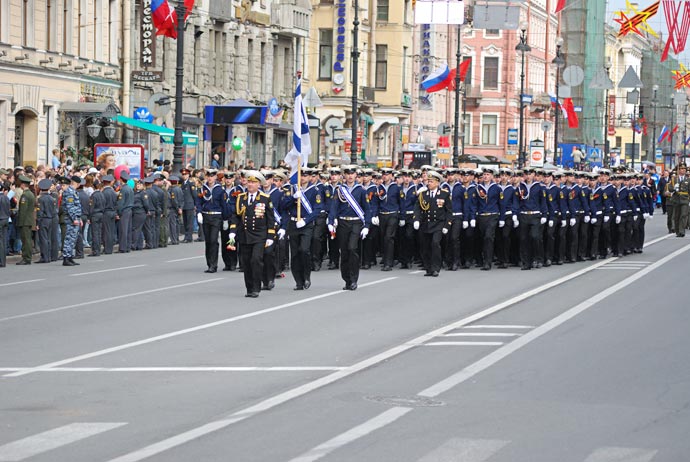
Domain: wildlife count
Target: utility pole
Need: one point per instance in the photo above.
(456, 131)
(558, 61)
(178, 150)
(522, 47)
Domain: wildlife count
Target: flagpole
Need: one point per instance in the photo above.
(178, 150)
(355, 77)
(299, 163)
(456, 132)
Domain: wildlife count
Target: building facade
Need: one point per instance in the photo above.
(59, 72)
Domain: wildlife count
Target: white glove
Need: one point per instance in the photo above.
(465, 224)
(231, 236)
(199, 218)
(516, 221)
(375, 221)
(444, 230)
(618, 219)
(550, 223)
(573, 221)
(421, 190)
(364, 233)
(606, 219)
(331, 229)
(645, 215)
(587, 218)
(543, 220)
(635, 218)
(301, 223)
(501, 223)
(225, 225)
(593, 221)
(473, 223)
(298, 194)
(281, 234)
(269, 242)
(401, 223)
(335, 223)
(415, 225)
(563, 223)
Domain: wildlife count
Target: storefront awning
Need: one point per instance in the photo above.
(367, 118)
(384, 122)
(166, 133)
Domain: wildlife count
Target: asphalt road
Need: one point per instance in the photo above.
(142, 356)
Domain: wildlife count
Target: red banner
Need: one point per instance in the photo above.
(612, 115)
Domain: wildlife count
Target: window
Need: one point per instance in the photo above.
(381, 66)
(97, 30)
(491, 73)
(492, 33)
(467, 129)
(404, 70)
(382, 10)
(50, 26)
(67, 27)
(489, 126)
(325, 53)
(468, 75)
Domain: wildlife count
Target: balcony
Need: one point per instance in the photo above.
(473, 95)
(221, 11)
(291, 17)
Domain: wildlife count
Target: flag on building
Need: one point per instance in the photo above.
(637, 127)
(298, 156)
(663, 134)
(559, 6)
(165, 18)
(464, 67)
(437, 80)
(554, 101)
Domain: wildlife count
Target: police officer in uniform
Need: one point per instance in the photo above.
(174, 209)
(189, 193)
(109, 214)
(85, 213)
(253, 218)
(164, 201)
(433, 213)
(47, 209)
(72, 206)
(349, 219)
(97, 206)
(141, 208)
(308, 200)
(125, 201)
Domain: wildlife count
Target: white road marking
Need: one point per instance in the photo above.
(108, 299)
(614, 454)
(276, 400)
(185, 259)
(495, 356)
(178, 369)
(52, 439)
(497, 326)
(481, 334)
(463, 344)
(465, 450)
(417, 272)
(614, 268)
(177, 333)
(21, 282)
(107, 270)
(353, 434)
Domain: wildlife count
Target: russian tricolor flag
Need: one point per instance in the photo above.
(662, 135)
(437, 80)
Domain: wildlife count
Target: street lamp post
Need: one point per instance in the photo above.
(522, 47)
(355, 76)
(558, 61)
(178, 150)
(655, 87)
(685, 127)
(456, 131)
(607, 66)
(634, 97)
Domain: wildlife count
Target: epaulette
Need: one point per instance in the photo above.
(261, 193)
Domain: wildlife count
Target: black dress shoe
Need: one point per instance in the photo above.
(307, 284)
(73, 262)
(404, 266)
(302, 288)
(434, 274)
(271, 285)
(428, 273)
(67, 262)
(94, 255)
(332, 266)
(23, 262)
(526, 268)
(386, 268)
(547, 263)
(41, 261)
(353, 286)
(252, 295)
(539, 264)
(210, 270)
(366, 266)
(502, 266)
(486, 268)
(347, 287)
(316, 268)
(227, 268)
